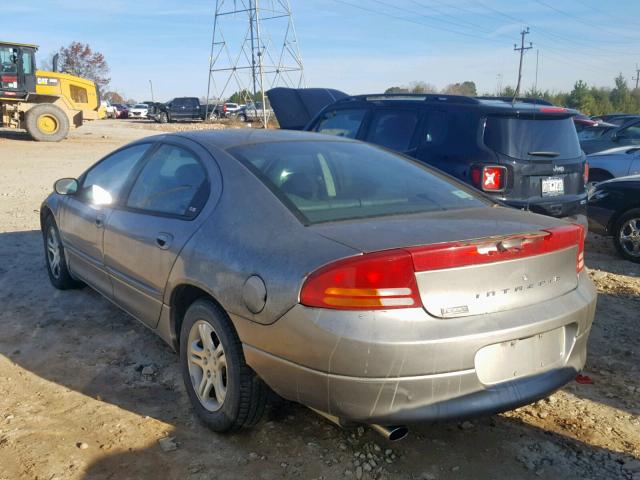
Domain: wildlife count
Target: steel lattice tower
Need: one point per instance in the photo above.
(254, 47)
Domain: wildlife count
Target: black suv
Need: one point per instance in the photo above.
(524, 153)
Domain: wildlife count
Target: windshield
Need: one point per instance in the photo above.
(523, 138)
(590, 133)
(325, 181)
(140, 105)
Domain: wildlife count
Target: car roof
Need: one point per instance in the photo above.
(224, 139)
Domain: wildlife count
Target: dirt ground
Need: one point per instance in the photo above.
(75, 404)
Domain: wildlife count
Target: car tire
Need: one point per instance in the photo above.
(224, 392)
(163, 118)
(46, 123)
(626, 235)
(56, 259)
(242, 117)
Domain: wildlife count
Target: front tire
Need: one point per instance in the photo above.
(224, 392)
(46, 123)
(56, 260)
(626, 235)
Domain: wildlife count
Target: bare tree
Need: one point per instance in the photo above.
(79, 59)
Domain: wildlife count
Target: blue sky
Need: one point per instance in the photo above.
(358, 46)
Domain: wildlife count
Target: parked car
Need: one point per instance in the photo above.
(582, 121)
(395, 294)
(181, 109)
(227, 110)
(524, 153)
(626, 134)
(122, 111)
(614, 209)
(616, 162)
(139, 110)
(253, 111)
(592, 132)
(616, 118)
(110, 110)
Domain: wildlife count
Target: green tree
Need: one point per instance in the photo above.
(620, 95)
(581, 99)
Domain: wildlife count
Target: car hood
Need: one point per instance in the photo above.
(630, 178)
(370, 235)
(296, 107)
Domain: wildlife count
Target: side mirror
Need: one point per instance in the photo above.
(66, 186)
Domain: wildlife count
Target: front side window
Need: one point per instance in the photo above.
(393, 128)
(172, 182)
(78, 94)
(103, 184)
(323, 181)
(342, 123)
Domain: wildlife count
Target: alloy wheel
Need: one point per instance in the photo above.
(53, 252)
(629, 237)
(207, 365)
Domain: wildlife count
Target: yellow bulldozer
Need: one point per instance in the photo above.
(45, 104)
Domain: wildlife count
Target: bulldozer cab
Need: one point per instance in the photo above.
(17, 69)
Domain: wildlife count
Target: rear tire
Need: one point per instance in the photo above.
(46, 123)
(56, 259)
(224, 392)
(163, 117)
(626, 235)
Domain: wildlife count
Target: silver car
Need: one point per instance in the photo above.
(340, 275)
(613, 163)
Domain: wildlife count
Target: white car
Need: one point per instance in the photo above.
(110, 110)
(139, 110)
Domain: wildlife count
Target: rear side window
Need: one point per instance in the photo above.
(393, 128)
(342, 123)
(172, 182)
(323, 181)
(519, 138)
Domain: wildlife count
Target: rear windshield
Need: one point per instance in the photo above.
(323, 181)
(519, 138)
(590, 133)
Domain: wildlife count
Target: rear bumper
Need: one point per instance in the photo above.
(392, 368)
(559, 207)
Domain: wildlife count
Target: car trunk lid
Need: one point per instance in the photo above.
(296, 107)
(475, 261)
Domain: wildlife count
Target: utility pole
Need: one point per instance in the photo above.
(521, 49)
(151, 86)
(637, 77)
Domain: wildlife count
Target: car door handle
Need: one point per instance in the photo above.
(163, 241)
(100, 221)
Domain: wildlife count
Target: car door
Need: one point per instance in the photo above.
(84, 214)
(634, 167)
(394, 128)
(194, 108)
(179, 109)
(343, 122)
(143, 238)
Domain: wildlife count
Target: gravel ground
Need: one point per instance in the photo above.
(87, 392)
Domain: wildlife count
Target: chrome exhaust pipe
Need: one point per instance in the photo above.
(392, 434)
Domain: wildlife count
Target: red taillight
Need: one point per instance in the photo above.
(553, 109)
(373, 281)
(585, 174)
(8, 78)
(224, 108)
(386, 280)
(461, 254)
(489, 179)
